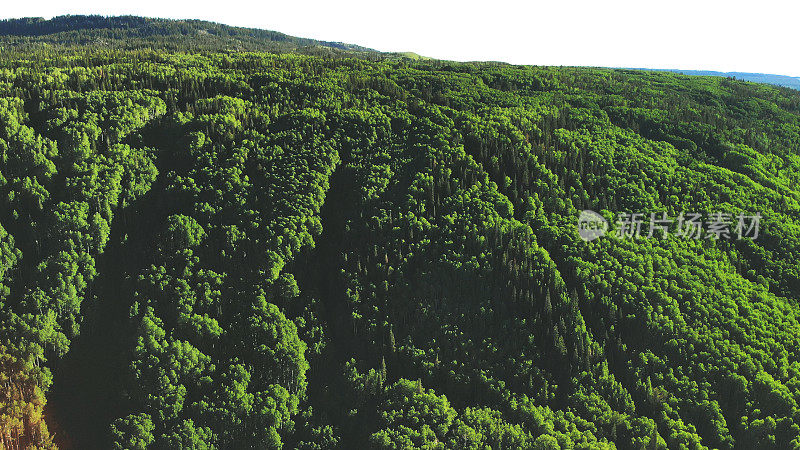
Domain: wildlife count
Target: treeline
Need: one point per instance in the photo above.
(133, 32)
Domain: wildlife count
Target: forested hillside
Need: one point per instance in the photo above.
(133, 33)
(252, 250)
(778, 80)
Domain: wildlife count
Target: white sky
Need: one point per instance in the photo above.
(757, 36)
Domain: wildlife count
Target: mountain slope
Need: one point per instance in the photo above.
(133, 32)
(140, 32)
(777, 80)
(255, 250)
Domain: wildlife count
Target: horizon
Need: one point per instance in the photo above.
(616, 36)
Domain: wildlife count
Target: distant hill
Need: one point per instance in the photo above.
(134, 32)
(777, 80)
(139, 32)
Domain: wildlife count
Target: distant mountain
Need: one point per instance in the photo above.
(777, 80)
(140, 32)
(134, 32)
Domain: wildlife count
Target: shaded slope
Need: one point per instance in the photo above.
(141, 32)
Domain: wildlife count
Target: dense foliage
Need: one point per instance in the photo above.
(132, 32)
(284, 251)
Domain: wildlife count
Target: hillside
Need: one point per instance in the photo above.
(257, 250)
(777, 80)
(131, 32)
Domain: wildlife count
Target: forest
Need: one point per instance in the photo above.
(337, 249)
